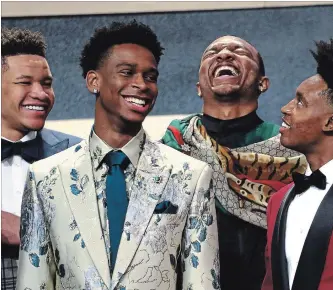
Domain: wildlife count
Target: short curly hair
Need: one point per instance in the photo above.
(15, 41)
(97, 49)
(324, 58)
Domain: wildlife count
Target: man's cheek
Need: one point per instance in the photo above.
(305, 127)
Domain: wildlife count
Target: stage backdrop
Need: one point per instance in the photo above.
(282, 35)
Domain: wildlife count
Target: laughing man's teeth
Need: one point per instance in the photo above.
(136, 101)
(35, 108)
(225, 67)
(285, 125)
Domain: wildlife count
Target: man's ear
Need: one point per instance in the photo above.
(92, 82)
(263, 84)
(328, 127)
(198, 89)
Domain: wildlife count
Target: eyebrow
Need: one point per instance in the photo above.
(219, 46)
(125, 64)
(24, 77)
(152, 69)
(235, 46)
(300, 96)
(48, 78)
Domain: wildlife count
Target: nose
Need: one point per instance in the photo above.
(224, 54)
(139, 82)
(38, 92)
(286, 109)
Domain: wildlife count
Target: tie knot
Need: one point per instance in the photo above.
(117, 158)
(27, 150)
(17, 147)
(303, 182)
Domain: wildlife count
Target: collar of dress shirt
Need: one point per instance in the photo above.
(326, 169)
(30, 136)
(133, 149)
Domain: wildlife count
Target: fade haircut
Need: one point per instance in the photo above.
(16, 41)
(98, 47)
(324, 58)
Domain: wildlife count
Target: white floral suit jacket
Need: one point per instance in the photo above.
(62, 244)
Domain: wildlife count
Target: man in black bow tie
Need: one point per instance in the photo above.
(299, 252)
(27, 99)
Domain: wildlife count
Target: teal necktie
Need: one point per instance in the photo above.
(116, 198)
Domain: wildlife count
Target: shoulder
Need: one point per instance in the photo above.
(175, 158)
(71, 153)
(173, 135)
(46, 134)
(179, 126)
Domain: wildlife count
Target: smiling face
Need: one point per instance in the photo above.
(27, 94)
(127, 82)
(307, 117)
(230, 68)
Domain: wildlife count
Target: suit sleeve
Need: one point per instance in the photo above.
(200, 257)
(36, 261)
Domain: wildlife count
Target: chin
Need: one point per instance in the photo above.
(135, 120)
(225, 90)
(35, 126)
(284, 142)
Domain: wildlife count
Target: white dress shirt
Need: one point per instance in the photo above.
(13, 175)
(300, 215)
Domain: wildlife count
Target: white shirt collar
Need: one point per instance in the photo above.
(30, 136)
(326, 169)
(133, 149)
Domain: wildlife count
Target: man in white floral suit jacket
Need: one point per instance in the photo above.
(168, 234)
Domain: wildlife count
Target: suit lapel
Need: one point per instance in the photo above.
(149, 183)
(313, 257)
(79, 185)
(278, 254)
(50, 144)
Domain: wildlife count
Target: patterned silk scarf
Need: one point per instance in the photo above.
(244, 178)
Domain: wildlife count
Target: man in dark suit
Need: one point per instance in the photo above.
(27, 99)
(299, 252)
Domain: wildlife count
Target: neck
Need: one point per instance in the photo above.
(229, 110)
(319, 157)
(11, 134)
(116, 134)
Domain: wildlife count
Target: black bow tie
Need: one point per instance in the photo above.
(27, 150)
(303, 182)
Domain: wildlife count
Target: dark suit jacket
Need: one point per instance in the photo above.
(52, 142)
(326, 282)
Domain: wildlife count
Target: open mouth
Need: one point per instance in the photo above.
(136, 101)
(285, 125)
(226, 71)
(35, 108)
